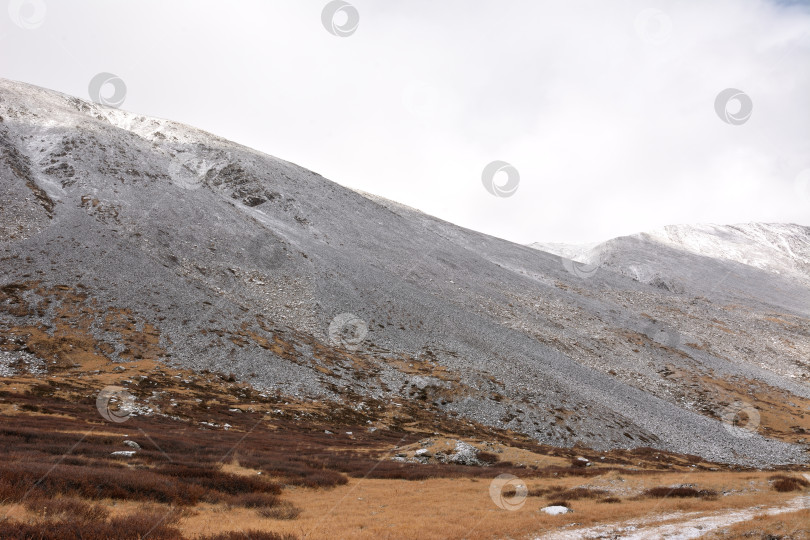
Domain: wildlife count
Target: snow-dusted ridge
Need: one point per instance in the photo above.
(781, 248)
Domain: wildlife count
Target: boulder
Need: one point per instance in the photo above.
(465, 454)
(556, 510)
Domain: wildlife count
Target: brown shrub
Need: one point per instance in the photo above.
(63, 508)
(37, 479)
(581, 493)
(133, 527)
(487, 457)
(178, 484)
(785, 483)
(212, 479)
(678, 492)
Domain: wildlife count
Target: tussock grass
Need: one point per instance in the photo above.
(248, 535)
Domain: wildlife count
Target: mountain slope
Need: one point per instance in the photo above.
(164, 241)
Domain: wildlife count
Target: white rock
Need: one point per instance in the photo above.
(465, 454)
(556, 510)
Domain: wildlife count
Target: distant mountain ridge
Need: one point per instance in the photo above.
(776, 247)
(657, 257)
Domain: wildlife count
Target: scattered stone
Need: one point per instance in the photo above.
(132, 444)
(556, 510)
(465, 454)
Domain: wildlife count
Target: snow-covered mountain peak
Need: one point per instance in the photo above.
(776, 247)
(781, 248)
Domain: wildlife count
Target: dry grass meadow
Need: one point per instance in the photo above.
(285, 469)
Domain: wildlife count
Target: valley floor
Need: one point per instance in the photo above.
(211, 458)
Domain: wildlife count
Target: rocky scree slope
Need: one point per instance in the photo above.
(238, 262)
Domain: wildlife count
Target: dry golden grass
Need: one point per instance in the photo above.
(462, 508)
(235, 468)
(782, 415)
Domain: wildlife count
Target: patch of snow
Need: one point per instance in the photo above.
(687, 526)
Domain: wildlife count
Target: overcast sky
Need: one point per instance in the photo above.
(607, 110)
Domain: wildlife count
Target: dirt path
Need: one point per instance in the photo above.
(676, 526)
